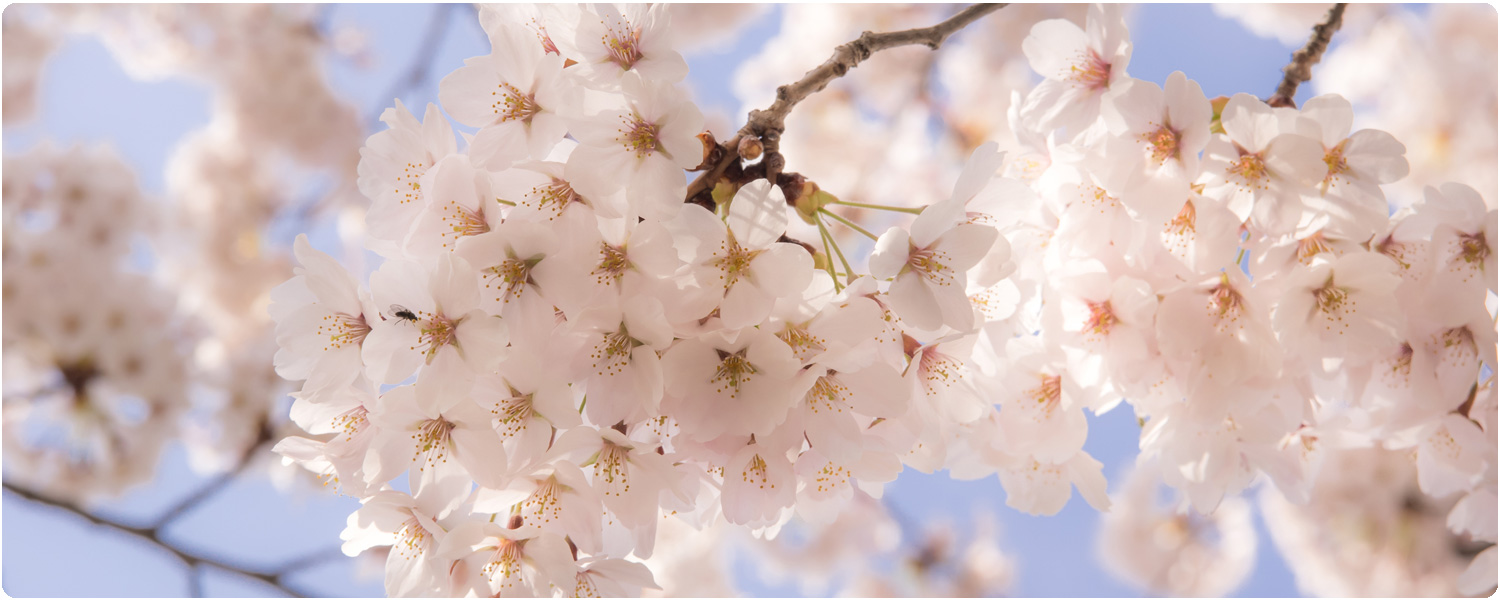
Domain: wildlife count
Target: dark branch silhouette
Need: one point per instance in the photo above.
(1300, 69)
(767, 125)
(194, 560)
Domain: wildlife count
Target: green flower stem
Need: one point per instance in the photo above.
(849, 224)
(848, 270)
(911, 211)
(828, 257)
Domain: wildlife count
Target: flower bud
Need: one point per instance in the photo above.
(1218, 105)
(750, 148)
(810, 200)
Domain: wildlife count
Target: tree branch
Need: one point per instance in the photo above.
(768, 124)
(192, 560)
(213, 487)
(1300, 69)
(274, 577)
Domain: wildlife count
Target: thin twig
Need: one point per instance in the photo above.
(195, 582)
(769, 123)
(1300, 69)
(213, 486)
(191, 559)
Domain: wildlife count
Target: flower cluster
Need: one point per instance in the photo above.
(95, 375)
(562, 350)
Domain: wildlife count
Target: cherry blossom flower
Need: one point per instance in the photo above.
(1156, 138)
(515, 95)
(614, 40)
(512, 562)
(1259, 168)
(407, 525)
(1340, 307)
(929, 265)
(321, 322)
(1039, 488)
(444, 331)
(447, 450)
(642, 147)
(1079, 68)
(392, 164)
(736, 385)
(1357, 163)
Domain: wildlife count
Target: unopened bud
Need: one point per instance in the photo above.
(810, 201)
(750, 148)
(821, 262)
(1218, 105)
(722, 193)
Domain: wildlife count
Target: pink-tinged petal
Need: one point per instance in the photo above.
(878, 391)
(594, 170)
(546, 130)
(1249, 122)
(649, 384)
(441, 485)
(554, 401)
(467, 92)
(913, 301)
(1088, 476)
(935, 221)
(1481, 574)
(1333, 113)
(656, 190)
(834, 433)
(453, 180)
(498, 147)
(1189, 111)
(965, 245)
(977, 171)
(482, 339)
(437, 135)
(954, 305)
(783, 270)
(333, 285)
(516, 55)
(1377, 154)
(480, 452)
(550, 555)
(455, 286)
(1133, 106)
(1050, 101)
(650, 250)
(1052, 45)
(679, 136)
(387, 352)
(757, 216)
(744, 305)
(444, 382)
(1296, 158)
(335, 369)
(891, 252)
(403, 283)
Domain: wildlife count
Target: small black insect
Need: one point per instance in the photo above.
(403, 313)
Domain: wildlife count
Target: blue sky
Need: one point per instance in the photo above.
(86, 97)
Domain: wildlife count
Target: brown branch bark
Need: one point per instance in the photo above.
(768, 124)
(1300, 69)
